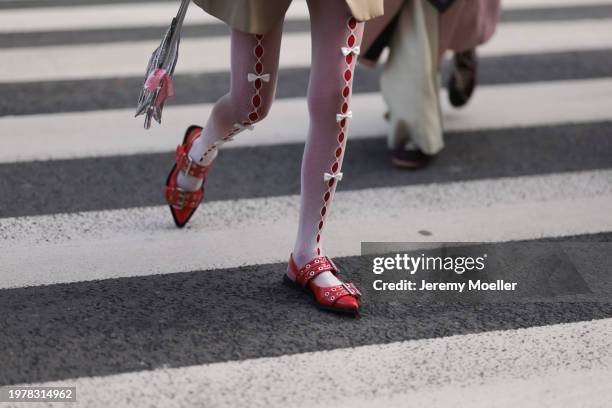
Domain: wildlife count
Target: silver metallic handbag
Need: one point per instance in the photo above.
(158, 85)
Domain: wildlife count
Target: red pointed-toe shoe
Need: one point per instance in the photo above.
(341, 298)
(183, 204)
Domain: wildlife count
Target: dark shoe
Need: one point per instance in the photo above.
(462, 81)
(410, 157)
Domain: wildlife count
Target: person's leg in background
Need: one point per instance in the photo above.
(463, 77)
(335, 34)
(410, 86)
(463, 27)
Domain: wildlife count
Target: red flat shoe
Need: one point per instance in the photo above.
(341, 298)
(183, 204)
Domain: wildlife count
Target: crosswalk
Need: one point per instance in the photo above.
(505, 356)
(124, 59)
(109, 131)
(98, 289)
(105, 240)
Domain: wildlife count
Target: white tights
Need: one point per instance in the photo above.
(335, 36)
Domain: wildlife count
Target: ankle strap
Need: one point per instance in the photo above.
(186, 164)
(314, 268)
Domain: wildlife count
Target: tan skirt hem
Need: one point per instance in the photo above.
(260, 16)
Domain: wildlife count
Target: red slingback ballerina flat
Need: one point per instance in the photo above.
(342, 298)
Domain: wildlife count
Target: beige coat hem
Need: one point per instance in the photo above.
(260, 16)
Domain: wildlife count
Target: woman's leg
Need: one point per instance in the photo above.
(253, 85)
(335, 36)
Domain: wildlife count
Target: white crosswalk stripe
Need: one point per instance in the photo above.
(101, 60)
(41, 247)
(532, 4)
(460, 371)
(156, 14)
(110, 16)
(115, 132)
(56, 260)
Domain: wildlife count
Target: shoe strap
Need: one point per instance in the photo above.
(314, 268)
(186, 164)
(180, 199)
(328, 295)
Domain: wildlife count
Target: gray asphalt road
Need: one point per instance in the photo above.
(60, 186)
(118, 325)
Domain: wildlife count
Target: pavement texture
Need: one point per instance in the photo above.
(120, 325)
(26, 98)
(125, 181)
(100, 291)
